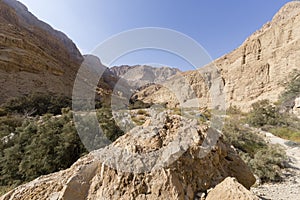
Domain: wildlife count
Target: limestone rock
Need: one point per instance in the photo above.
(140, 75)
(254, 71)
(165, 159)
(230, 189)
(33, 56)
(296, 108)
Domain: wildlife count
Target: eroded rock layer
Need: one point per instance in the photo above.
(256, 70)
(33, 56)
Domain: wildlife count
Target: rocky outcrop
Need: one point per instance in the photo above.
(199, 88)
(166, 158)
(296, 108)
(33, 56)
(140, 75)
(254, 71)
(230, 189)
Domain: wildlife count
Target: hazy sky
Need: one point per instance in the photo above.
(219, 26)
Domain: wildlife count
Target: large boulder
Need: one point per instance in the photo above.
(166, 158)
(230, 189)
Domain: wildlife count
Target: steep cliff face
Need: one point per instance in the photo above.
(254, 71)
(33, 56)
(260, 66)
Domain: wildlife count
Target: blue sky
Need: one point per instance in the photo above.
(218, 25)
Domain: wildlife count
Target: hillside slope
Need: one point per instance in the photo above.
(33, 56)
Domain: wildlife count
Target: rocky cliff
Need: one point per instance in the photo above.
(163, 159)
(256, 70)
(140, 75)
(33, 56)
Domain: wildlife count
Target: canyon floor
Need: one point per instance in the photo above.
(289, 189)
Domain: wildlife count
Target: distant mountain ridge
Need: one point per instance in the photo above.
(140, 75)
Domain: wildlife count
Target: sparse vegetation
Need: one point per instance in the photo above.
(268, 117)
(265, 160)
(288, 133)
(292, 88)
(264, 113)
(139, 120)
(234, 110)
(268, 162)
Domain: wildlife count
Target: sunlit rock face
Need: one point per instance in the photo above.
(254, 71)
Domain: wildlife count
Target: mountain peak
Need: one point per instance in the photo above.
(288, 11)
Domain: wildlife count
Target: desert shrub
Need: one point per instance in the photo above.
(108, 124)
(207, 114)
(5, 189)
(8, 125)
(267, 163)
(264, 113)
(40, 146)
(264, 160)
(233, 110)
(37, 104)
(38, 137)
(292, 88)
(3, 112)
(243, 138)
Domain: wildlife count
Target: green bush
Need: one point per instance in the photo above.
(41, 145)
(37, 104)
(243, 138)
(264, 113)
(46, 144)
(292, 88)
(5, 189)
(233, 110)
(267, 163)
(264, 160)
(107, 123)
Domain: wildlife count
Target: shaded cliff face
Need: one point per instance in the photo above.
(254, 71)
(33, 56)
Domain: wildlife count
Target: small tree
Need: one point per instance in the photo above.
(292, 89)
(263, 113)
